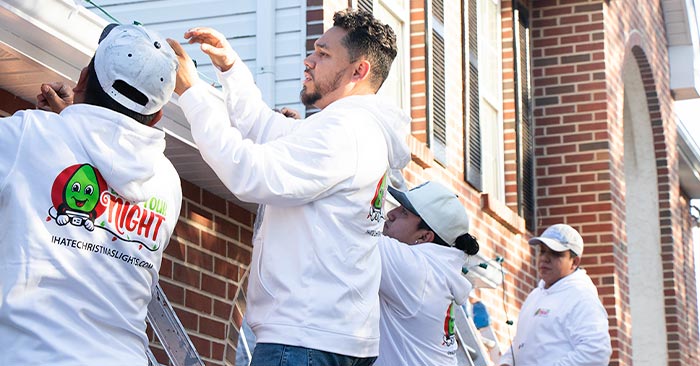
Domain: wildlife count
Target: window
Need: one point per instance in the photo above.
(436, 111)
(483, 97)
(524, 119)
(395, 13)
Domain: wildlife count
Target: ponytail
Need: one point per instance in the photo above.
(467, 243)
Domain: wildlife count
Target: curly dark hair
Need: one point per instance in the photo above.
(368, 37)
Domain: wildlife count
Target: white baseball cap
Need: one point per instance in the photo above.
(438, 207)
(130, 57)
(560, 238)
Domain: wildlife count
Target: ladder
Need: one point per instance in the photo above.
(485, 273)
(471, 350)
(170, 332)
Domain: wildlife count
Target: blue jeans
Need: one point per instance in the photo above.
(271, 354)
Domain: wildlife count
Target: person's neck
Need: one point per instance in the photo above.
(547, 286)
(340, 93)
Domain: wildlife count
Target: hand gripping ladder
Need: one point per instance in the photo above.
(170, 333)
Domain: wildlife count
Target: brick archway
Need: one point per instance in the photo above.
(644, 268)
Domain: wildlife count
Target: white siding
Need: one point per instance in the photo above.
(239, 22)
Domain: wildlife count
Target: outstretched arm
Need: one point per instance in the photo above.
(247, 111)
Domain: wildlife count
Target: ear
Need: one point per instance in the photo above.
(361, 71)
(577, 261)
(426, 236)
(156, 118)
(82, 81)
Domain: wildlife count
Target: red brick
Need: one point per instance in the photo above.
(197, 301)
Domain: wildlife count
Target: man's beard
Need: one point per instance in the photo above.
(309, 99)
(320, 90)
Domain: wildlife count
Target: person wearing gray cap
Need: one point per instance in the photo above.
(562, 321)
(89, 202)
(422, 280)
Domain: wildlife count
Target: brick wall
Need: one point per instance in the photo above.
(573, 165)
(204, 273)
(579, 51)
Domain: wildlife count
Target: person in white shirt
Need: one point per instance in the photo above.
(89, 202)
(562, 322)
(315, 270)
(422, 281)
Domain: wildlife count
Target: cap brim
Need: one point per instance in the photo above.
(550, 243)
(403, 200)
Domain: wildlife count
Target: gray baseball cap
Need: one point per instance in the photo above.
(560, 238)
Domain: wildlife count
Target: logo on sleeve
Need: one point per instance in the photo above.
(448, 337)
(377, 204)
(80, 197)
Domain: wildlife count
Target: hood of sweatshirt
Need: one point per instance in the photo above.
(449, 261)
(123, 150)
(395, 126)
(578, 278)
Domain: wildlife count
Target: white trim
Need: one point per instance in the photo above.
(265, 51)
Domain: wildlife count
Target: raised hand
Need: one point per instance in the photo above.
(54, 97)
(213, 44)
(186, 71)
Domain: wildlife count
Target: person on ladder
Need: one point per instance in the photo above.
(424, 244)
(89, 203)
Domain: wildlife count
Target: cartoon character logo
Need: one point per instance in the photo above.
(76, 196)
(448, 338)
(375, 208)
(80, 196)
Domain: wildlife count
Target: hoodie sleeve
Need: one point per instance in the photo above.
(507, 357)
(404, 277)
(289, 171)
(588, 333)
(246, 108)
(11, 131)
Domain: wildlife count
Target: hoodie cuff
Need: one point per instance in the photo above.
(194, 98)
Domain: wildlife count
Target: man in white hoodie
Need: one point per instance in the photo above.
(315, 271)
(422, 280)
(88, 202)
(562, 322)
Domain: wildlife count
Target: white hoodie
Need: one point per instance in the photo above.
(88, 202)
(564, 325)
(419, 288)
(315, 268)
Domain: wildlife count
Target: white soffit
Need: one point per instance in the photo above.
(52, 40)
(683, 48)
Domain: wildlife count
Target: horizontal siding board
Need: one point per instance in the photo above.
(287, 20)
(288, 44)
(152, 12)
(238, 22)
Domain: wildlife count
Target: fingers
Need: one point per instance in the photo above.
(290, 113)
(41, 103)
(51, 100)
(205, 35)
(177, 48)
(186, 72)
